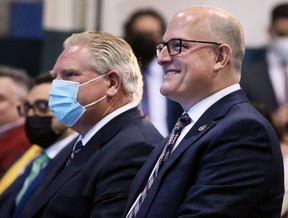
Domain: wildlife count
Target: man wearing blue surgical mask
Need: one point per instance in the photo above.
(49, 138)
(96, 91)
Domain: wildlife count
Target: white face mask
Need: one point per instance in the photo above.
(280, 46)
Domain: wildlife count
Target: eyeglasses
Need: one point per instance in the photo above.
(39, 106)
(174, 46)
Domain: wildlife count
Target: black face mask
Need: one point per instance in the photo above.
(144, 48)
(39, 131)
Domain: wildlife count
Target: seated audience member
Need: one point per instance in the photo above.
(266, 80)
(96, 91)
(53, 137)
(223, 158)
(14, 85)
(143, 30)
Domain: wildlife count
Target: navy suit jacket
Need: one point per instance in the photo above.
(97, 181)
(256, 82)
(228, 165)
(7, 199)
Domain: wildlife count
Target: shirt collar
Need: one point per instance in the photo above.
(198, 109)
(105, 120)
(55, 148)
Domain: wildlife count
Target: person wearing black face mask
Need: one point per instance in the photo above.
(143, 30)
(39, 130)
(44, 131)
(143, 46)
(40, 124)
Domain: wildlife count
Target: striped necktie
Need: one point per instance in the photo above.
(183, 121)
(77, 148)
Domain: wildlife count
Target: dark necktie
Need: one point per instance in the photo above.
(183, 121)
(75, 151)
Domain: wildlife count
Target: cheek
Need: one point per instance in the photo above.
(3, 106)
(87, 95)
(57, 126)
(8, 106)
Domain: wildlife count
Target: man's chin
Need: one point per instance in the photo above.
(167, 92)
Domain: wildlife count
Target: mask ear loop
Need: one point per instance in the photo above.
(92, 80)
(95, 102)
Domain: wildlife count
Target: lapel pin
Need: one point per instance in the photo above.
(201, 128)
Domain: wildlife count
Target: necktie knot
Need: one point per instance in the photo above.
(185, 119)
(77, 148)
(41, 159)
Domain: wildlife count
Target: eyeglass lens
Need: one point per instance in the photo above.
(39, 106)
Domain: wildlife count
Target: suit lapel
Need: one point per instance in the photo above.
(93, 146)
(206, 122)
(144, 173)
(54, 168)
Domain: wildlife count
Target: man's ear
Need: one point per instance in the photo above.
(114, 83)
(223, 55)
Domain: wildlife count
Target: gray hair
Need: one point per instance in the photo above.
(109, 52)
(22, 80)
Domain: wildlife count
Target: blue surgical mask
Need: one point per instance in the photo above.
(63, 101)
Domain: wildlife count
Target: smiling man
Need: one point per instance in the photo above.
(223, 158)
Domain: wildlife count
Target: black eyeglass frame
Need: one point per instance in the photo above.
(172, 52)
(40, 106)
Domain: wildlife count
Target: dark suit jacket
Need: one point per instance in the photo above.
(97, 181)
(230, 167)
(54, 167)
(174, 111)
(257, 85)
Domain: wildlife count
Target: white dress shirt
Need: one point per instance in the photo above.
(104, 121)
(156, 101)
(195, 113)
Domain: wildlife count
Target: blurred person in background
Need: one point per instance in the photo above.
(266, 80)
(51, 136)
(14, 85)
(143, 30)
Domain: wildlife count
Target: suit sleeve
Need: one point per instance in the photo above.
(111, 190)
(237, 164)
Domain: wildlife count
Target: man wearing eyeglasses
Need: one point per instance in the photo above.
(226, 161)
(43, 130)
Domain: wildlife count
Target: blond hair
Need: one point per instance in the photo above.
(109, 52)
